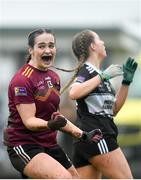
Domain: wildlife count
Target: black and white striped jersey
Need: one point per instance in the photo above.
(93, 109)
(100, 101)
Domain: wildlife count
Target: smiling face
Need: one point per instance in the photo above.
(43, 52)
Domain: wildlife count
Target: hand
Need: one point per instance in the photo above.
(129, 69)
(111, 72)
(92, 136)
(57, 121)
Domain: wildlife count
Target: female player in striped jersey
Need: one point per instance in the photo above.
(33, 103)
(97, 103)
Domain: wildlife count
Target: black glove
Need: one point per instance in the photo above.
(57, 121)
(92, 136)
(129, 69)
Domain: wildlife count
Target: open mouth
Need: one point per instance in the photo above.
(46, 58)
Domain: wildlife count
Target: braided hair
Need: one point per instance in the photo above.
(80, 45)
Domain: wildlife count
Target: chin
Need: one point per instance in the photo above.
(48, 64)
(44, 67)
(103, 56)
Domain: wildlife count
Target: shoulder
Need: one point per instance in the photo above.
(90, 69)
(82, 74)
(21, 77)
(82, 71)
(87, 69)
(21, 84)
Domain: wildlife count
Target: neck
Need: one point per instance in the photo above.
(32, 63)
(94, 61)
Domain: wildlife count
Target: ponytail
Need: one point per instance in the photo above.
(75, 70)
(28, 58)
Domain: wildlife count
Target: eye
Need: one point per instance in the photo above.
(41, 46)
(51, 46)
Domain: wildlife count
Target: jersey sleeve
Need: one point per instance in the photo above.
(82, 76)
(21, 90)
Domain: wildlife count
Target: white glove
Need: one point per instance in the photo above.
(111, 72)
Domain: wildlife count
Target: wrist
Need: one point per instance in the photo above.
(77, 135)
(125, 82)
(83, 136)
(100, 77)
(57, 123)
(103, 76)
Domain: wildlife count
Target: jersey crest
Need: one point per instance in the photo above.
(20, 91)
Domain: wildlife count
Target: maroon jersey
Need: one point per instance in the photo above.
(30, 85)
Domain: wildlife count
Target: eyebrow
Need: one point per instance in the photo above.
(42, 43)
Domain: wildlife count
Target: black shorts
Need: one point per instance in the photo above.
(21, 155)
(83, 151)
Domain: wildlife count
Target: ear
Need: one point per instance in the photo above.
(30, 50)
(93, 46)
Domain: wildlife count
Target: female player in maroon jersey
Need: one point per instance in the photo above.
(33, 120)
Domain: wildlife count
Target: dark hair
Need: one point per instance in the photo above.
(31, 38)
(80, 45)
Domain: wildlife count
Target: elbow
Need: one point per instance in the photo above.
(75, 92)
(31, 128)
(72, 95)
(28, 124)
(115, 112)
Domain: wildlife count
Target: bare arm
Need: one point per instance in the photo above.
(79, 90)
(129, 69)
(71, 129)
(27, 113)
(120, 98)
(94, 136)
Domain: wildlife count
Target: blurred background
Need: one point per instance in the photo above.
(118, 22)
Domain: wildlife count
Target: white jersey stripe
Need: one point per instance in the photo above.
(90, 69)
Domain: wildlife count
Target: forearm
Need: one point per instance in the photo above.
(36, 124)
(129, 69)
(120, 98)
(71, 129)
(93, 136)
(79, 90)
(27, 113)
(66, 126)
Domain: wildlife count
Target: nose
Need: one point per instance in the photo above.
(47, 49)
